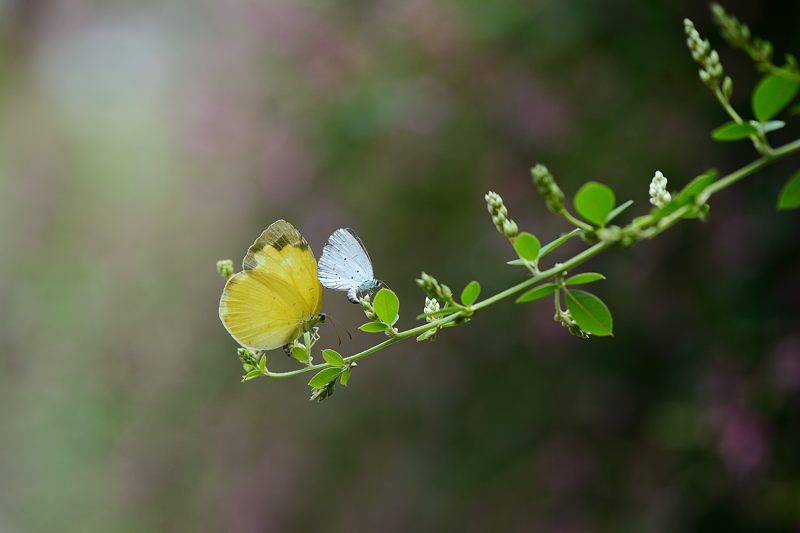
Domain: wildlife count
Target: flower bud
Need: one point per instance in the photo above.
(566, 320)
(548, 188)
(711, 72)
(225, 268)
(499, 212)
(434, 289)
(366, 305)
(510, 229)
(248, 359)
(431, 306)
(658, 190)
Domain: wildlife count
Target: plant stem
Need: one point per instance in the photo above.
(746, 170)
(578, 222)
(727, 106)
(760, 140)
(560, 268)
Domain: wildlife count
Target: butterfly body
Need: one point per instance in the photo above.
(345, 265)
(368, 287)
(277, 296)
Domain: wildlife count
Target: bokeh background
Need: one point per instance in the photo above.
(142, 141)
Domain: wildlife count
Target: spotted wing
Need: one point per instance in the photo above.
(344, 264)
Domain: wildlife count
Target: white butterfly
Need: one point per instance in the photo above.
(345, 266)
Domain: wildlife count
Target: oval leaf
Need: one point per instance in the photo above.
(772, 94)
(584, 278)
(537, 293)
(790, 194)
(332, 357)
(373, 327)
(590, 313)
(324, 377)
(386, 305)
(300, 353)
(527, 246)
(732, 131)
(345, 377)
(470, 293)
(594, 202)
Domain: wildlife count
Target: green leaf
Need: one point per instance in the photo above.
(584, 278)
(373, 327)
(590, 313)
(537, 293)
(688, 194)
(332, 357)
(252, 375)
(470, 293)
(300, 354)
(772, 94)
(790, 194)
(594, 202)
(527, 246)
(386, 306)
(323, 377)
(733, 131)
(262, 364)
(549, 247)
(345, 377)
(696, 186)
(772, 125)
(617, 210)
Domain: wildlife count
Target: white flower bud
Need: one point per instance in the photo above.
(658, 190)
(431, 306)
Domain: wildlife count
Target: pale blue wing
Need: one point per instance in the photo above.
(344, 264)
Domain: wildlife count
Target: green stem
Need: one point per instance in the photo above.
(759, 141)
(727, 106)
(578, 222)
(746, 170)
(557, 301)
(545, 274)
(560, 268)
(782, 72)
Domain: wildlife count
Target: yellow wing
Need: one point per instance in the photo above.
(277, 296)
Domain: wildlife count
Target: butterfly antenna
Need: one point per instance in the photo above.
(335, 329)
(382, 284)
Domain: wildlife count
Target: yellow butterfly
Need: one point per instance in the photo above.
(277, 297)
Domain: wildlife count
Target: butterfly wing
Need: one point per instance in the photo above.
(269, 303)
(344, 264)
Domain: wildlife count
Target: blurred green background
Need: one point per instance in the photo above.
(142, 141)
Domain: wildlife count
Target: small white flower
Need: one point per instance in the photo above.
(431, 306)
(658, 190)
